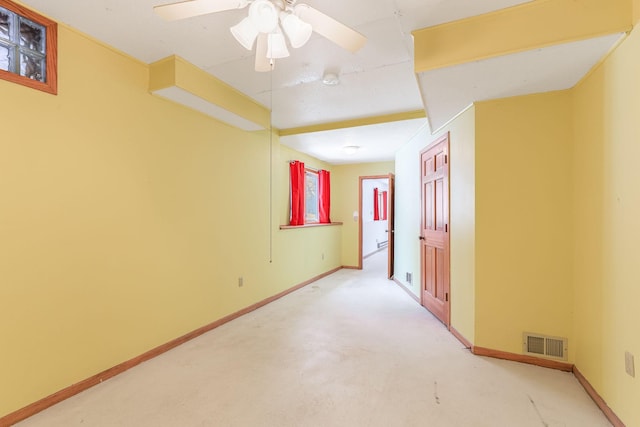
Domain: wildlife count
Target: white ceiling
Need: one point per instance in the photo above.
(375, 141)
(377, 80)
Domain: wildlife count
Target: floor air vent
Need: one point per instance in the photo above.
(544, 346)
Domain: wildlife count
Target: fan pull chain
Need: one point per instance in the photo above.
(271, 161)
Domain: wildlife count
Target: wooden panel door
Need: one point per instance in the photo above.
(434, 233)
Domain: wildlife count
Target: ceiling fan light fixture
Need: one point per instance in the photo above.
(245, 33)
(276, 45)
(262, 63)
(296, 29)
(264, 15)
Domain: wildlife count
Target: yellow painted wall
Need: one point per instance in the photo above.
(126, 220)
(523, 219)
(345, 195)
(315, 249)
(462, 223)
(607, 227)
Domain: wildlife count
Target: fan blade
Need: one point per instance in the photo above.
(328, 27)
(263, 64)
(187, 9)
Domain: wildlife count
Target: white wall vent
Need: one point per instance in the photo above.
(544, 346)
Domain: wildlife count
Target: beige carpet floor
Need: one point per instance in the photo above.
(352, 349)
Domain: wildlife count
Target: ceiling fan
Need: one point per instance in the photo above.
(267, 23)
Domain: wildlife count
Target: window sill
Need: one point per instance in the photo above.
(288, 227)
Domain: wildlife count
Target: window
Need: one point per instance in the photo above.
(310, 195)
(28, 48)
(380, 205)
(383, 205)
(311, 202)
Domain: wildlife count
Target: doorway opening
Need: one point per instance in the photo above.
(376, 218)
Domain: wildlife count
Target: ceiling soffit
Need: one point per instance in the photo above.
(175, 79)
(466, 58)
(520, 28)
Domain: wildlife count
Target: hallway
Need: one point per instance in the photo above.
(352, 349)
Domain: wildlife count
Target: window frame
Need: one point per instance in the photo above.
(50, 85)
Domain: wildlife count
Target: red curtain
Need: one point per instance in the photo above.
(324, 199)
(384, 205)
(376, 208)
(296, 172)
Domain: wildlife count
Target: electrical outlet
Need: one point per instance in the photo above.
(240, 282)
(408, 278)
(629, 365)
(323, 256)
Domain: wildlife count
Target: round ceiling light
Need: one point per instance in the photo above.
(330, 79)
(350, 149)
